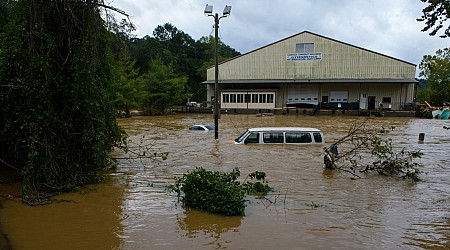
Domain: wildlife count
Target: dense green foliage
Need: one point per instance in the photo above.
(369, 150)
(57, 121)
(214, 192)
(186, 57)
(66, 69)
(218, 192)
(435, 15)
(423, 91)
(164, 87)
(436, 69)
(3, 14)
(130, 90)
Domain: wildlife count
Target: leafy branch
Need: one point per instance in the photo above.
(145, 149)
(369, 150)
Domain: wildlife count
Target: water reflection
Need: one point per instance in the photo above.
(194, 223)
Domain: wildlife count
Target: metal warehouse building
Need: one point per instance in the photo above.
(310, 70)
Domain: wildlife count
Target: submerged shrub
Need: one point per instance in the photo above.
(214, 192)
(218, 192)
(260, 187)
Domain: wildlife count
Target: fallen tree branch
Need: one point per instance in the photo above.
(8, 165)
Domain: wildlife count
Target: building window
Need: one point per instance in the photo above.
(247, 98)
(233, 98)
(254, 98)
(226, 98)
(262, 98)
(386, 100)
(304, 48)
(269, 98)
(240, 98)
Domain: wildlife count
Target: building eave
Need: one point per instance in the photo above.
(275, 81)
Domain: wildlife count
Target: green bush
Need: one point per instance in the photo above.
(214, 192)
(218, 192)
(259, 187)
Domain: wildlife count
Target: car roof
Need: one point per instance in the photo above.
(284, 129)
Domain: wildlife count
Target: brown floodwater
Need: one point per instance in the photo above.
(311, 208)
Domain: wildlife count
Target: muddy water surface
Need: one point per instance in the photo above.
(310, 209)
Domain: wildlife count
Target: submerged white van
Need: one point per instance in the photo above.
(276, 135)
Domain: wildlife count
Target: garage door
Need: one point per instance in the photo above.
(308, 94)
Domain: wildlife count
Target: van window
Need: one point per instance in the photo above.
(317, 137)
(298, 137)
(252, 138)
(273, 137)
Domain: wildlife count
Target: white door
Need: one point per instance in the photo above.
(363, 101)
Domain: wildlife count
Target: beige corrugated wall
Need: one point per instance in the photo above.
(339, 61)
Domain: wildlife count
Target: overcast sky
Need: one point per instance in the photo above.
(385, 26)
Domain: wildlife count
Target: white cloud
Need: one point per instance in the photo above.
(384, 26)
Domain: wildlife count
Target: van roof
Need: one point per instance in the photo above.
(278, 129)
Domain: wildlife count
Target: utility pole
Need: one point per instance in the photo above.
(208, 12)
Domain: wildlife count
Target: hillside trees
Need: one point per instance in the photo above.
(188, 57)
(57, 122)
(436, 69)
(130, 89)
(3, 14)
(164, 87)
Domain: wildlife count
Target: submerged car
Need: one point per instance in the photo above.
(284, 135)
(201, 127)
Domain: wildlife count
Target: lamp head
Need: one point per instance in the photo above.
(227, 10)
(208, 9)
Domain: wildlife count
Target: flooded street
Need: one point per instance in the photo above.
(311, 208)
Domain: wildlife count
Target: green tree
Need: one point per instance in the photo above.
(436, 69)
(3, 14)
(57, 121)
(188, 57)
(129, 86)
(206, 46)
(143, 50)
(423, 91)
(435, 15)
(164, 86)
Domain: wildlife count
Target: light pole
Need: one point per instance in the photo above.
(208, 12)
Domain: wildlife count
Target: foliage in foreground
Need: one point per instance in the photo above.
(218, 192)
(369, 150)
(57, 121)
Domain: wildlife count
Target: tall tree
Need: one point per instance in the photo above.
(129, 86)
(435, 15)
(57, 122)
(436, 69)
(187, 57)
(165, 87)
(3, 14)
